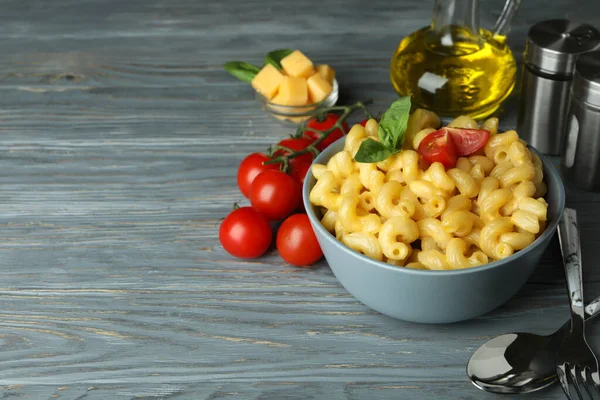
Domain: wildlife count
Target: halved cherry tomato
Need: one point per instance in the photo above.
(438, 146)
(275, 194)
(245, 233)
(297, 243)
(468, 141)
(328, 122)
(250, 168)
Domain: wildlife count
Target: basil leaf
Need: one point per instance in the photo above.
(392, 126)
(242, 70)
(274, 58)
(371, 151)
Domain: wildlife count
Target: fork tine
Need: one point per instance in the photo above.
(581, 373)
(564, 382)
(572, 374)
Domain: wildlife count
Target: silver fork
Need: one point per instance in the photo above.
(577, 366)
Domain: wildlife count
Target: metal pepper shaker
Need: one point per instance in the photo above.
(581, 157)
(550, 54)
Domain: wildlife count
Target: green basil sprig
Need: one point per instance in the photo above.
(274, 58)
(392, 128)
(242, 70)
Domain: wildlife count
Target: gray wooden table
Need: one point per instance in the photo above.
(120, 136)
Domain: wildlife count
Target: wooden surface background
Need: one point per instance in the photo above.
(120, 137)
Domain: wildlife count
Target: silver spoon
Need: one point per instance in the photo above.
(520, 362)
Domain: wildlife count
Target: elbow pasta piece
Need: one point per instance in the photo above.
(341, 164)
(434, 206)
(518, 154)
(458, 223)
(329, 219)
(371, 177)
(477, 173)
(366, 201)
(394, 175)
(409, 196)
(395, 237)
(410, 165)
(354, 138)
(535, 207)
(490, 125)
(524, 172)
(540, 190)
(502, 139)
(391, 163)
(372, 128)
(463, 121)
(456, 203)
(526, 221)
(489, 238)
(352, 221)
(517, 240)
(433, 259)
(488, 185)
(473, 237)
(491, 204)
(439, 177)
(497, 154)
(464, 164)
(352, 186)
(426, 190)
(501, 169)
(465, 184)
(477, 221)
(415, 265)
(433, 227)
(318, 170)
(429, 243)
(389, 202)
(364, 243)
(486, 164)
(420, 136)
(520, 191)
(323, 193)
(455, 254)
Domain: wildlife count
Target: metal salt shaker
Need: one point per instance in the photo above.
(581, 157)
(551, 51)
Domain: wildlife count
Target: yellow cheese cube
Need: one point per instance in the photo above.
(326, 72)
(292, 92)
(318, 88)
(297, 65)
(267, 81)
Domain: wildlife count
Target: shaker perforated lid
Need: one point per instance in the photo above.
(554, 45)
(586, 81)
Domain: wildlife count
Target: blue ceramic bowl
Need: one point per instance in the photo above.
(434, 296)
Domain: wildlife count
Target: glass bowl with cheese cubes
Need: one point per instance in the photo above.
(432, 224)
(297, 90)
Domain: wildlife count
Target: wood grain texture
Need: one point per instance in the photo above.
(120, 137)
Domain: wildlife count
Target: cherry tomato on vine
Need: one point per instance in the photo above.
(299, 171)
(438, 146)
(275, 194)
(468, 141)
(328, 121)
(295, 145)
(297, 243)
(245, 233)
(250, 168)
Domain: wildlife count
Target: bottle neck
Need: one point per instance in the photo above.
(457, 13)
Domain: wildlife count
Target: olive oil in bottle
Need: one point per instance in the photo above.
(453, 67)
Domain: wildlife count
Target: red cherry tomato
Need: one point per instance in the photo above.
(275, 194)
(438, 146)
(299, 171)
(468, 141)
(250, 168)
(296, 145)
(327, 123)
(245, 233)
(297, 243)
(363, 122)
